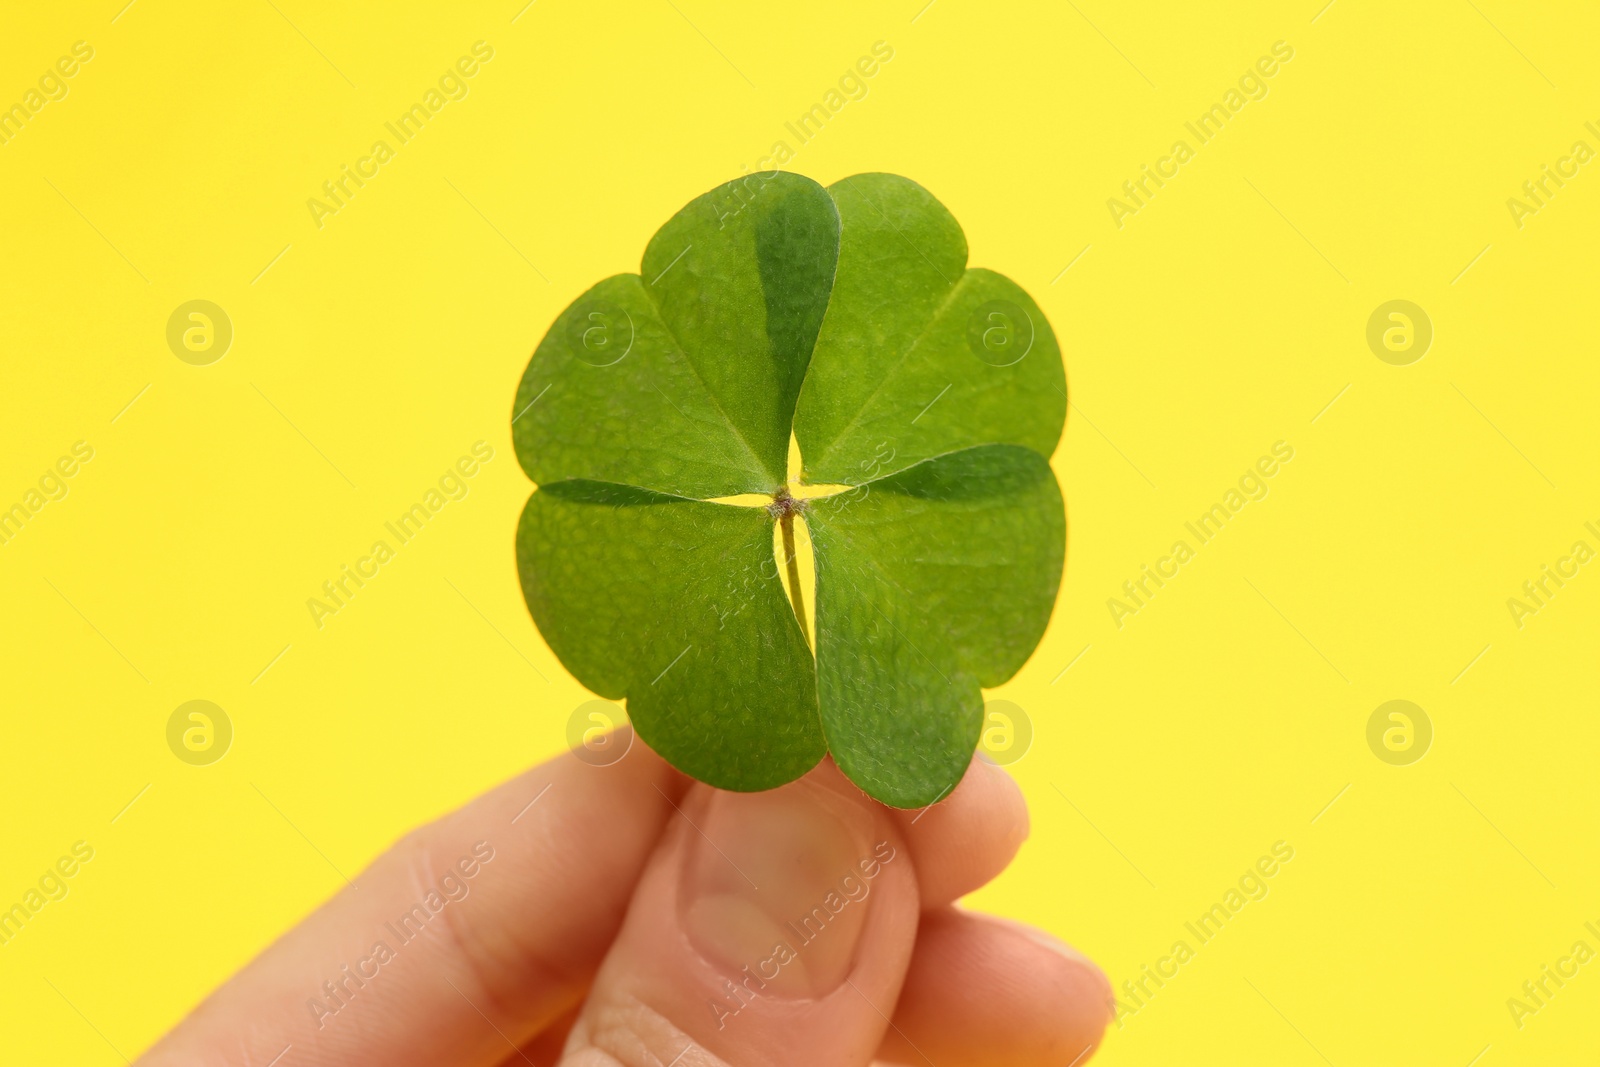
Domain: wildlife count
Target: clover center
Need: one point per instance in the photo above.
(784, 506)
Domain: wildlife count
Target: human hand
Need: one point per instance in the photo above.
(624, 916)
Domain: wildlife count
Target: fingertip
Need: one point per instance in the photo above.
(638, 760)
(964, 841)
(987, 990)
(1082, 980)
(770, 927)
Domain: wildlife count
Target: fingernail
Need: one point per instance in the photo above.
(776, 887)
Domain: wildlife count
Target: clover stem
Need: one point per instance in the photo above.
(795, 596)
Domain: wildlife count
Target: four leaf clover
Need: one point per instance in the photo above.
(927, 394)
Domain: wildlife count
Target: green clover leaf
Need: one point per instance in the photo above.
(928, 394)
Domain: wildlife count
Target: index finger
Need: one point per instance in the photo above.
(501, 910)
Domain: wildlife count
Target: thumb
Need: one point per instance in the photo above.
(768, 929)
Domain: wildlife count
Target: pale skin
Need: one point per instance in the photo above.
(630, 917)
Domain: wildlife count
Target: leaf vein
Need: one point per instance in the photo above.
(943, 306)
(716, 402)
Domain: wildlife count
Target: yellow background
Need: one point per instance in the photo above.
(1223, 317)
